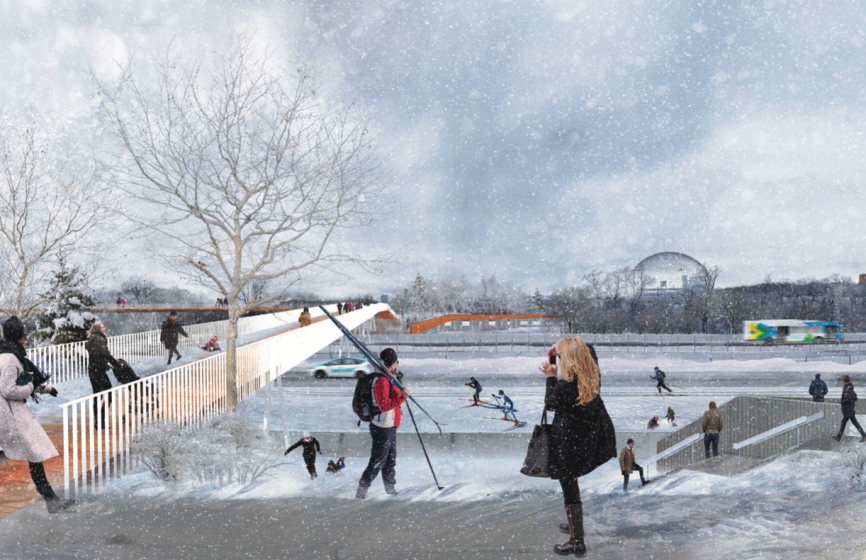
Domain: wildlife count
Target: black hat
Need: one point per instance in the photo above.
(388, 357)
(13, 329)
(172, 313)
(629, 441)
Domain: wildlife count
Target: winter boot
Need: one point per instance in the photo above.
(170, 356)
(575, 544)
(57, 504)
(836, 438)
(3, 458)
(361, 493)
(391, 491)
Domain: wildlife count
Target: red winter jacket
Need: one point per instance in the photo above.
(388, 398)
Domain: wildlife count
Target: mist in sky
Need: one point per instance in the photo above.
(537, 140)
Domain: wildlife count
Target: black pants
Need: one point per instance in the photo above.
(311, 464)
(625, 477)
(661, 385)
(383, 457)
(172, 350)
(712, 439)
(853, 420)
(37, 473)
(570, 491)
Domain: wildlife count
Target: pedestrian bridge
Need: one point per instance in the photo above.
(190, 394)
(478, 322)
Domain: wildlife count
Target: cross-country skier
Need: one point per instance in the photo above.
(474, 384)
(311, 445)
(659, 376)
(507, 406)
(818, 389)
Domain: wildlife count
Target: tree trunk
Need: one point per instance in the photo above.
(232, 363)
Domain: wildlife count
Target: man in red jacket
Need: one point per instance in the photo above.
(383, 429)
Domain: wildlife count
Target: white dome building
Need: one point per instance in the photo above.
(672, 272)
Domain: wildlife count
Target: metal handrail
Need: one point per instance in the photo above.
(777, 431)
(675, 448)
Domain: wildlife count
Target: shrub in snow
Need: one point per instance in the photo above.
(853, 465)
(162, 449)
(226, 451)
(67, 318)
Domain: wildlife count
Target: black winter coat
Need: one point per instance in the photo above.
(310, 448)
(849, 397)
(169, 332)
(100, 358)
(583, 437)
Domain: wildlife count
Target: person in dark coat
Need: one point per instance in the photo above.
(653, 423)
(818, 389)
(339, 308)
(22, 438)
(98, 365)
(168, 335)
(311, 446)
(582, 434)
(849, 414)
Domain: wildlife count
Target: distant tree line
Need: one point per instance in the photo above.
(621, 301)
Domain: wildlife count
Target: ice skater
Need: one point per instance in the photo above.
(311, 446)
(507, 406)
(627, 465)
(659, 376)
(474, 384)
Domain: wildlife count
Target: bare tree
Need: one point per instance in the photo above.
(637, 282)
(140, 289)
(250, 175)
(48, 206)
(732, 305)
(572, 303)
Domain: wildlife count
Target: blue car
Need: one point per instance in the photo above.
(341, 367)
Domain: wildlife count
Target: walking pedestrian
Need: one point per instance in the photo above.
(849, 400)
(311, 446)
(659, 376)
(582, 434)
(168, 335)
(21, 436)
(818, 389)
(670, 415)
(627, 465)
(98, 365)
(305, 319)
(711, 423)
(339, 308)
(383, 428)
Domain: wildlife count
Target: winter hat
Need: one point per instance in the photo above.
(501, 392)
(629, 441)
(172, 313)
(306, 434)
(817, 376)
(388, 357)
(13, 329)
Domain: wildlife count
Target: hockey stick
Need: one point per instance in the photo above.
(424, 449)
(375, 361)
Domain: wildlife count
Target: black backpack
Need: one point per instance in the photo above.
(363, 403)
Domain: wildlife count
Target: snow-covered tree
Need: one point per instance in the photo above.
(67, 317)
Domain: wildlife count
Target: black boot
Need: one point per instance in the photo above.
(575, 544)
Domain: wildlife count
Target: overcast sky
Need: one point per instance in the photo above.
(538, 140)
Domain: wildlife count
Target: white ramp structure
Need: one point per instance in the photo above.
(98, 429)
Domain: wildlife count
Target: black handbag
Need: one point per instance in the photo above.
(537, 456)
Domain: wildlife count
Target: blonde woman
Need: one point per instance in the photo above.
(583, 436)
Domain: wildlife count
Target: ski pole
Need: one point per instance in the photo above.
(375, 361)
(424, 449)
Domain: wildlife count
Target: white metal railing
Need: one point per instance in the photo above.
(675, 448)
(69, 361)
(190, 394)
(777, 431)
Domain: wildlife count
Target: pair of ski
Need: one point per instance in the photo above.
(516, 424)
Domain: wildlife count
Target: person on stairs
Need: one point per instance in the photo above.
(849, 400)
(627, 465)
(21, 436)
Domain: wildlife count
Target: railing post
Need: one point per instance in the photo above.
(66, 452)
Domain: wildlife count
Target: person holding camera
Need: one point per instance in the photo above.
(582, 434)
(21, 436)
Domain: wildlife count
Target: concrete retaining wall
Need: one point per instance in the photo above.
(357, 444)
